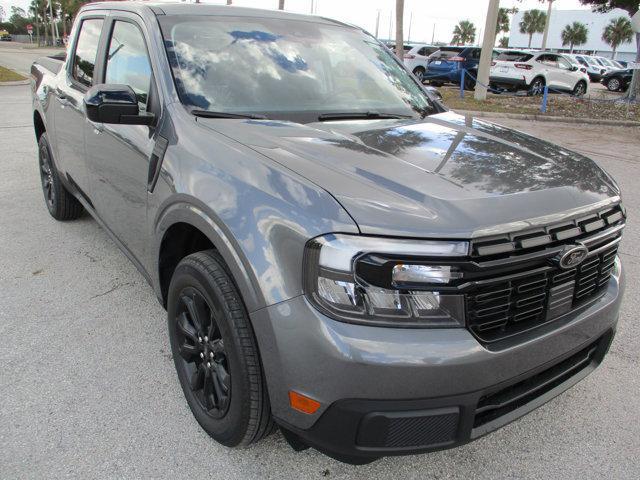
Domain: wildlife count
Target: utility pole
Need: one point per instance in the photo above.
(433, 34)
(487, 49)
(377, 23)
(280, 4)
(399, 29)
(409, 32)
(390, 23)
(546, 25)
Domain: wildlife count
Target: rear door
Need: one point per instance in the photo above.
(549, 64)
(69, 92)
(118, 156)
(568, 77)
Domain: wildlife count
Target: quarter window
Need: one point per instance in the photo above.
(84, 60)
(128, 61)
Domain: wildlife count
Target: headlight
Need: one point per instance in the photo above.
(402, 283)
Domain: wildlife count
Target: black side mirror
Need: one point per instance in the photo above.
(574, 68)
(113, 103)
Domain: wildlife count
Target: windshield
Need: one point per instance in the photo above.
(288, 69)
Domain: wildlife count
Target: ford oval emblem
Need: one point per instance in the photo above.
(572, 256)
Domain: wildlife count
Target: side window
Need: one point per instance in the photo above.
(84, 60)
(128, 61)
(564, 64)
(423, 51)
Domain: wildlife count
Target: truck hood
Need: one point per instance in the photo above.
(444, 176)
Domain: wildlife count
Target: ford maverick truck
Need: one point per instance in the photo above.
(339, 255)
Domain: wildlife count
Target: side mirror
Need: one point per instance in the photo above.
(574, 68)
(113, 103)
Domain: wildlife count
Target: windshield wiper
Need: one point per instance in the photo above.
(210, 114)
(360, 115)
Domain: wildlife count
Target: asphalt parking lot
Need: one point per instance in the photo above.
(88, 387)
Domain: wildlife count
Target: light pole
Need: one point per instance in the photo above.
(377, 23)
(546, 25)
(487, 49)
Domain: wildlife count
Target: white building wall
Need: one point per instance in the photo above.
(595, 23)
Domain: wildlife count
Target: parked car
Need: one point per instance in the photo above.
(416, 59)
(5, 36)
(617, 80)
(594, 69)
(531, 71)
(606, 63)
(446, 64)
(338, 254)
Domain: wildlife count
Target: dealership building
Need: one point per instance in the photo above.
(595, 22)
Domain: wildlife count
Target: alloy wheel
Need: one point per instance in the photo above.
(46, 177)
(419, 73)
(202, 352)
(537, 87)
(613, 85)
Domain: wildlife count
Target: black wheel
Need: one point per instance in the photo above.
(60, 203)
(580, 89)
(614, 84)
(537, 86)
(470, 83)
(419, 73)
(215, 352)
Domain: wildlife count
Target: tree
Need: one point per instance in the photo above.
(533, 21)
(504, 21)
(617, 32)
(504, 42)
(574, 34)
(631, 7)
(399, 29)
(463, 33)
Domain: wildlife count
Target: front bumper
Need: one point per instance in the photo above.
(387, 391)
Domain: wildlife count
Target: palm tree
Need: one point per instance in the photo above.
(533, 21)
(617, 32)
(504, 22)
(504, 42)
(574, 34)
(463, 33)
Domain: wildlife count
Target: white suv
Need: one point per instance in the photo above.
(416, 59)
(531, 71)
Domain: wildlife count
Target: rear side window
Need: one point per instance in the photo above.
(128, 61)
(514, 57)
(84, 60)
(443, 54)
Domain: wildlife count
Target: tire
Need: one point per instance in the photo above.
(537, 86)
(580, 89)
(470, 83)
(61, 204)
(419, 73)
(614, 84)
(215, 352)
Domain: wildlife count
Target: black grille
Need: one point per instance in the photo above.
(516, 301)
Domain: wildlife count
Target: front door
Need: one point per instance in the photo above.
(118, 155)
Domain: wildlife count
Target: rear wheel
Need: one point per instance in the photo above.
(614, 84)
(537, 86)
(419, 73)
(60, 203)
(215, 352)
(470, 83)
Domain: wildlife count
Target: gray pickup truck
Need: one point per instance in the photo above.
(338, 254)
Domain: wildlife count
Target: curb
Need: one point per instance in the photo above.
(18, 82)
(548, 118)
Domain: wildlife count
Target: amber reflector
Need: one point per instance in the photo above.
(303, 404)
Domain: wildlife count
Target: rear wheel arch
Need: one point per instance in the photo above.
(185, 229)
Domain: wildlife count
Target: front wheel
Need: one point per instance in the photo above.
(613, 84)
(580, 89)
(215, 352)
(419, 73)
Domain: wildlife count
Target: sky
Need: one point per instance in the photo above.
(424, 14)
